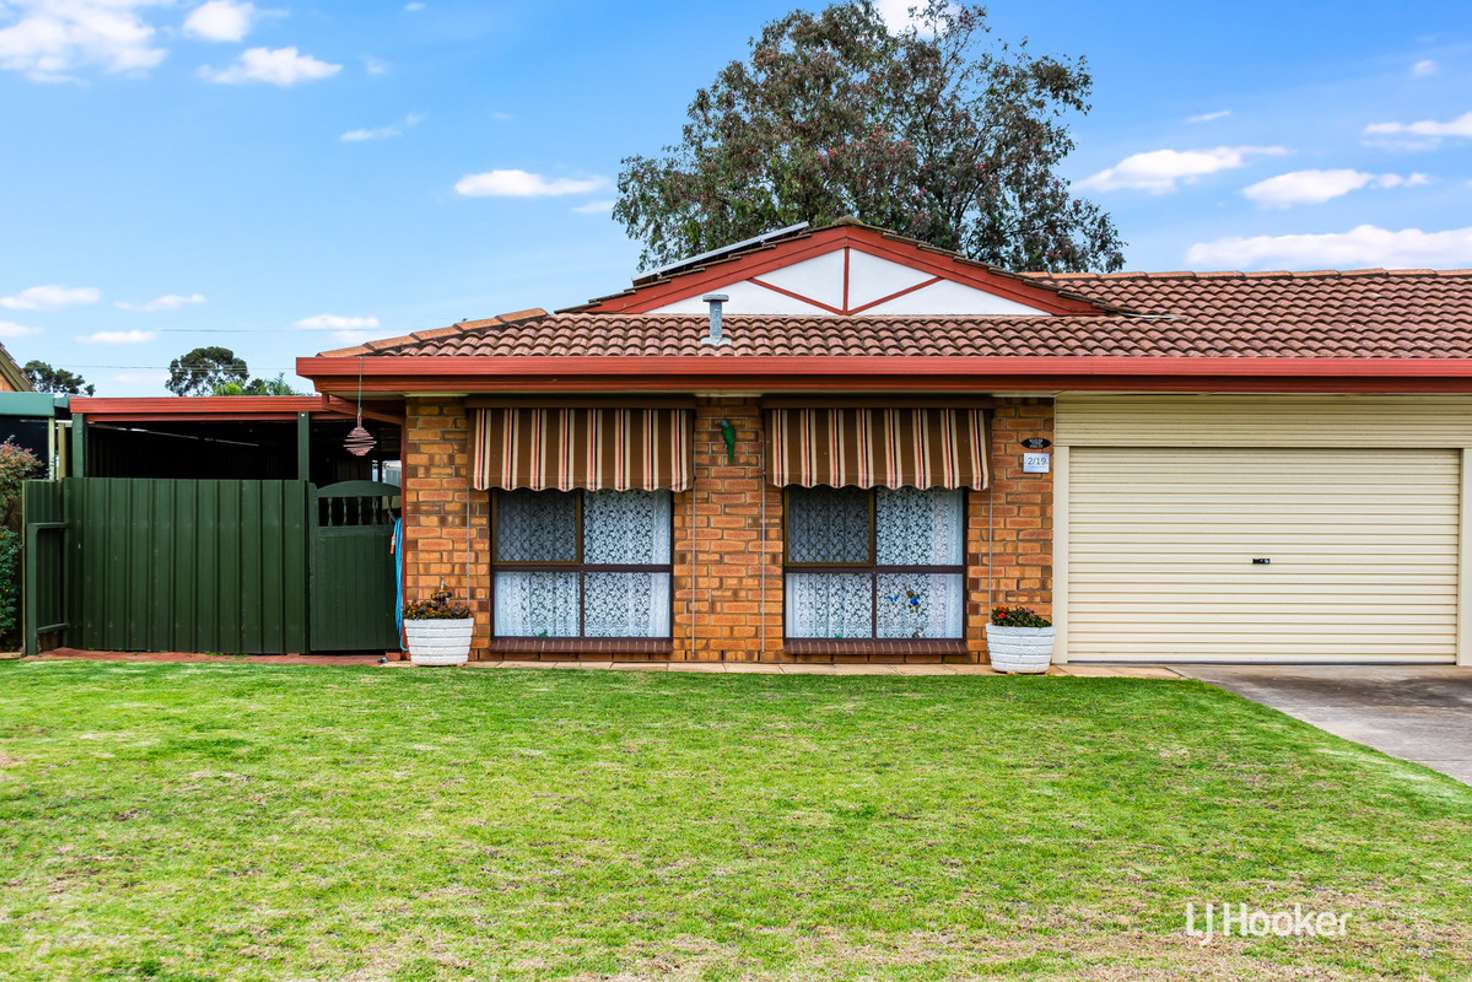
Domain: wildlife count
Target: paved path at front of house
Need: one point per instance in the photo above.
(1422, 714)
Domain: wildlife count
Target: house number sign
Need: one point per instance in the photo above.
(1036, 463)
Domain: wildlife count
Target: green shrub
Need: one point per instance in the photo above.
(9, 589)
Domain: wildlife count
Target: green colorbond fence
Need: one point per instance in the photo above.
(234, 567)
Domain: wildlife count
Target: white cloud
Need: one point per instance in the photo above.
(50, 297)
(1422, 134)
(522, 184)
(273, 66)
(1364, 245)
(1209, 117)
(335, 322)
(501, 117)
(219, 20)
(1312, 187)
(595, 207)
(10, 329)
(1162, 171)
(414, 8)
(1424, 68)
(118, 337)
(374, 66)
(48, 40)
(382, 132)
(169, 301)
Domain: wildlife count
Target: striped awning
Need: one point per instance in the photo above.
(595, 449)
(883, 448)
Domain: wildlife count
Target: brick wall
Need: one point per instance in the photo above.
(728, 529)
(728, 607)
(1018, 509)
(436, 492)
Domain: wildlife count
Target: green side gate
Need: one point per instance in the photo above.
(352, 570)
(121, 564)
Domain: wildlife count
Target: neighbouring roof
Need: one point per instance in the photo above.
(1361, 314)
(14, 377)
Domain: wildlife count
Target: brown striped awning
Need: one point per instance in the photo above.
(595, 449)
(877, 448)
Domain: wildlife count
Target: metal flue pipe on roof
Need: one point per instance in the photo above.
(715, 337)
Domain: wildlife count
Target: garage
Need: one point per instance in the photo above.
(1200, 529)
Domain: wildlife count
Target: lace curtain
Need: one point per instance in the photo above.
(919, 528)
(537, 526)
(919, 605)
(537, 605)
(828, 526)
(912, 527)
(620, 528)
(626, 528)
(829, 605)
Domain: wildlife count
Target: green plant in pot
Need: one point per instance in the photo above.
(438, 630)
(1019, 641)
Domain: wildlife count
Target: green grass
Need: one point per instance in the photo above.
(207, 821)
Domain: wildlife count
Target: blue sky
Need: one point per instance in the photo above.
(282, 178)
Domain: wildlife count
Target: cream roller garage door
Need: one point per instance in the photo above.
(1165, 550)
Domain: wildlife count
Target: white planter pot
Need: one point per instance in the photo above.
(439, 642)
(1024, 650)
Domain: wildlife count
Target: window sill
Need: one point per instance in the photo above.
(582, 646)
(874, 646)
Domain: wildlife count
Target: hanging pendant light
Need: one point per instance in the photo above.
(359, 441)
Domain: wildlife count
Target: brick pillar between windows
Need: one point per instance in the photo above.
(728, 548)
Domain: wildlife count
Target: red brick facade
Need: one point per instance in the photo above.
(727, 580)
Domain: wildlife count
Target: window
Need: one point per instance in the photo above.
(590, 564)
(874, 564)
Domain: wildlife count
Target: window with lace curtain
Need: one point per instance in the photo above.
(590, 564)
(874, 563)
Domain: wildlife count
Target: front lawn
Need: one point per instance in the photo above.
(181, 821)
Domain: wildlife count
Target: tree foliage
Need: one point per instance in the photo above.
(44, 378)
(939, 132)
(201, 371)
(17, 464)
(277, 386)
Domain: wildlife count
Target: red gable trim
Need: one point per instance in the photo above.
(754, 264)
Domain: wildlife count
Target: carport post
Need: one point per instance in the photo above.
(303, 446)
(79, 445)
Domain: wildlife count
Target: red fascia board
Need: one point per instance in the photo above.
(419, 374)
(684, 285)
(198, 408)
(429, 367)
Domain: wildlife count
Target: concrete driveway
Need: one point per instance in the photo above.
(1422, 714)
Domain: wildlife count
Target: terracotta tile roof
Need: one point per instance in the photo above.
(1360, 314)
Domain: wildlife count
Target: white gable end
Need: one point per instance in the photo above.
(746, 298)
(819, 278)
(871, 278)
(946, 297)
(849, 281)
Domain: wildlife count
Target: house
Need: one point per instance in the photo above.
(837, 443)
(12, 376)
